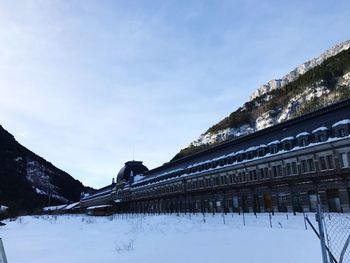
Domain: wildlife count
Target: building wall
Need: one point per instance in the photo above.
(288, 175)
(226, 189)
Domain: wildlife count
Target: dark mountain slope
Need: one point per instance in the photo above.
(28, 181)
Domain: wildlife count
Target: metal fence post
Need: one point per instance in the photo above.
(2, 253)
(319, 219)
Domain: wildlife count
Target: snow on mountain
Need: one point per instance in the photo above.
(223, 135)
(29, 181)
(300, 70)
(39, 176)
(320, 89)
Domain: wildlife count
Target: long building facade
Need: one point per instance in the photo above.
(289, 167)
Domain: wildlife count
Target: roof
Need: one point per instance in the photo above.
(54, 208)
(130, 169)
(98, 206)
(342, 122)
(306, 123)
(71, 206)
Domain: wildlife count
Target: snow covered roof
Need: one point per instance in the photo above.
(98, 206)
(138, 177)
(261, 146)
(70, 206)
(274, 142)
(253, 148)
(302, 134)
(320, 129)
(342, 122)
(290, 138)
(53, 208)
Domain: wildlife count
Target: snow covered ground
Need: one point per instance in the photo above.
(160, 238)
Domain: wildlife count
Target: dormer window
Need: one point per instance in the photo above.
(214, 164)
(321, 138)
(261, 150)
(230, 160)
(287, 143)
(341, 128)
(303, 139)
(302, 142)
(273, 147)
(341, 132)
(321, 134)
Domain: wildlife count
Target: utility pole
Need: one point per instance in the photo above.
(319, 219)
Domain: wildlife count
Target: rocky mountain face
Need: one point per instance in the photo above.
(28, 181)
(316, 83)
(300, 70)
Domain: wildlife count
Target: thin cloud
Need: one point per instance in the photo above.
(89, 82)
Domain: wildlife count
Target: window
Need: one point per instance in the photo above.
(321, 138)
(279, 170)
(302, 142)
(330, 162)
(287, 146)
(262, 175)
(311, 165)
(294, 168)
(244, 176)
(273, 150)
(304, 166)
(274, 171)
(266, 172)
(216, 181)
(254, 175)
(344, 161)
(341, 132)
(250, 175)
(223, 178)
(289, 169)
(323, 163)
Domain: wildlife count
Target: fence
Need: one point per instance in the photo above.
(334, 234)
(337, 232)
(2, 253)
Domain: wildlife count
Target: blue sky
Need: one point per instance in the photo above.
(85, 84)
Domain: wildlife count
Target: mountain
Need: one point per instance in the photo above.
(314, 84)
(27, 180)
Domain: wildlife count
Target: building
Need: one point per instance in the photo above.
(288, 167)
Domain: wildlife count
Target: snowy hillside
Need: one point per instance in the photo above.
(27, 180)
(159, 239)
(300, 70)
(314, 84)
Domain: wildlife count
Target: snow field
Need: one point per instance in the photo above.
(160, 238)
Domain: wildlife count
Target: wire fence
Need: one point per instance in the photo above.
(337, 232)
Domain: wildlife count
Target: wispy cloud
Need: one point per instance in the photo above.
(84, 83)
